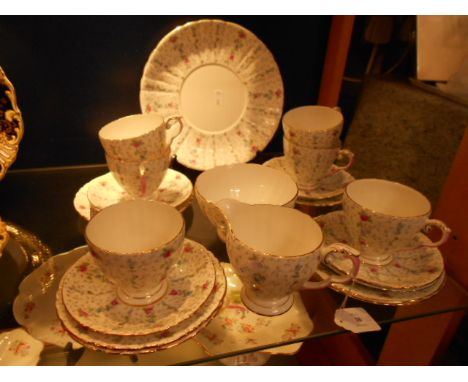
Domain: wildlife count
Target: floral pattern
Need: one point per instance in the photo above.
(104, 191)
(329, 187)
(237, 328)
(413, 270)
(18, 348)
(381, 237)
(185, 294)
(159, 339)
(36, 311)
(310, 166)
(215, 42)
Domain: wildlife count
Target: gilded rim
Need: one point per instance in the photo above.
(147, 252)
(395, 302)
(9, 143)
(154, 54)
(176, 342)
(428, 213)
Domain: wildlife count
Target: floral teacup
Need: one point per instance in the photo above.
(275, 251)
(139, 136)
(383, 217)
(310, 165)
(313, 126)
(135, 243)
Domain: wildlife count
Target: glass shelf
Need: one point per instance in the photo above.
(41, 201)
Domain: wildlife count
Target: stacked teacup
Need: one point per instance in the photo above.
(312, 144)
(138, 151)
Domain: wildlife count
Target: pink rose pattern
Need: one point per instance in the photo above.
(216, 42)
(415, 269)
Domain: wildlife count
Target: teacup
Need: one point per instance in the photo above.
(140, 178)
(275, 251)
(313, 126)
(139, 136)
(382, 218)
(247, 182)
(310, 165)
(135, 243)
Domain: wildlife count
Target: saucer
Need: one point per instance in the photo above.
(34, 307)
(236, 327)
(384, 297)
(137, 344)
(330, 187)
(175, 190)
(412, 270)
(91, 299)
(18, 348)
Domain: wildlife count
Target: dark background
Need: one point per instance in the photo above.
(73, 74)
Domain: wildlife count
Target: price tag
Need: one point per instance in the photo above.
(356, 320)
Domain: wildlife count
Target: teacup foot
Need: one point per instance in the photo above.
(143, 299)
(267, 307)
(376, 260)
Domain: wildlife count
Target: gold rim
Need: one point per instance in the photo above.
(381, 213)
(14, 119)
(147, 252)
(143, 350)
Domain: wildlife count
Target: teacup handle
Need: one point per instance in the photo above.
(446, 231)
(352, 255)
(170, 123)
(350, 160)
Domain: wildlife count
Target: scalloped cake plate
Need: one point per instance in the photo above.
(175, 190)
(34, 307)
(225, 84)
(237, 328)
(18, 348)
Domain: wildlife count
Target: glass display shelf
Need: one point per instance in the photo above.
(41, 202)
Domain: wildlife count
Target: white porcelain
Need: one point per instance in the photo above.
(248, 183)
(226, 85)
(414, 270)
(135, 243)
(139, 136)
(18, 348)
(140, 178)
(383, 296)
(310, 165)
(175, 333)
(34, 307)
(313, 126)
(237, 328)
(383, 217)
(275, 251)
(104, 191)
(329, 187)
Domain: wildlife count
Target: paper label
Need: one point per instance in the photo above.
(357, 320)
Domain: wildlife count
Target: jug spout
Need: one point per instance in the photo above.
(226, 209)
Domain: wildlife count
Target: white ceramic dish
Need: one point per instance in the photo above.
(225, 84)
(34, 307)
(175, 190)
(416, 269)
(246, 182)
(236, 327)
(18, 348)
(92, 300)
(156, 341)
(385, 297)
(330, 187)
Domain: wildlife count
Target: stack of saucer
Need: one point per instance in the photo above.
(91, 312)
(142, 287)
(410, 277)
